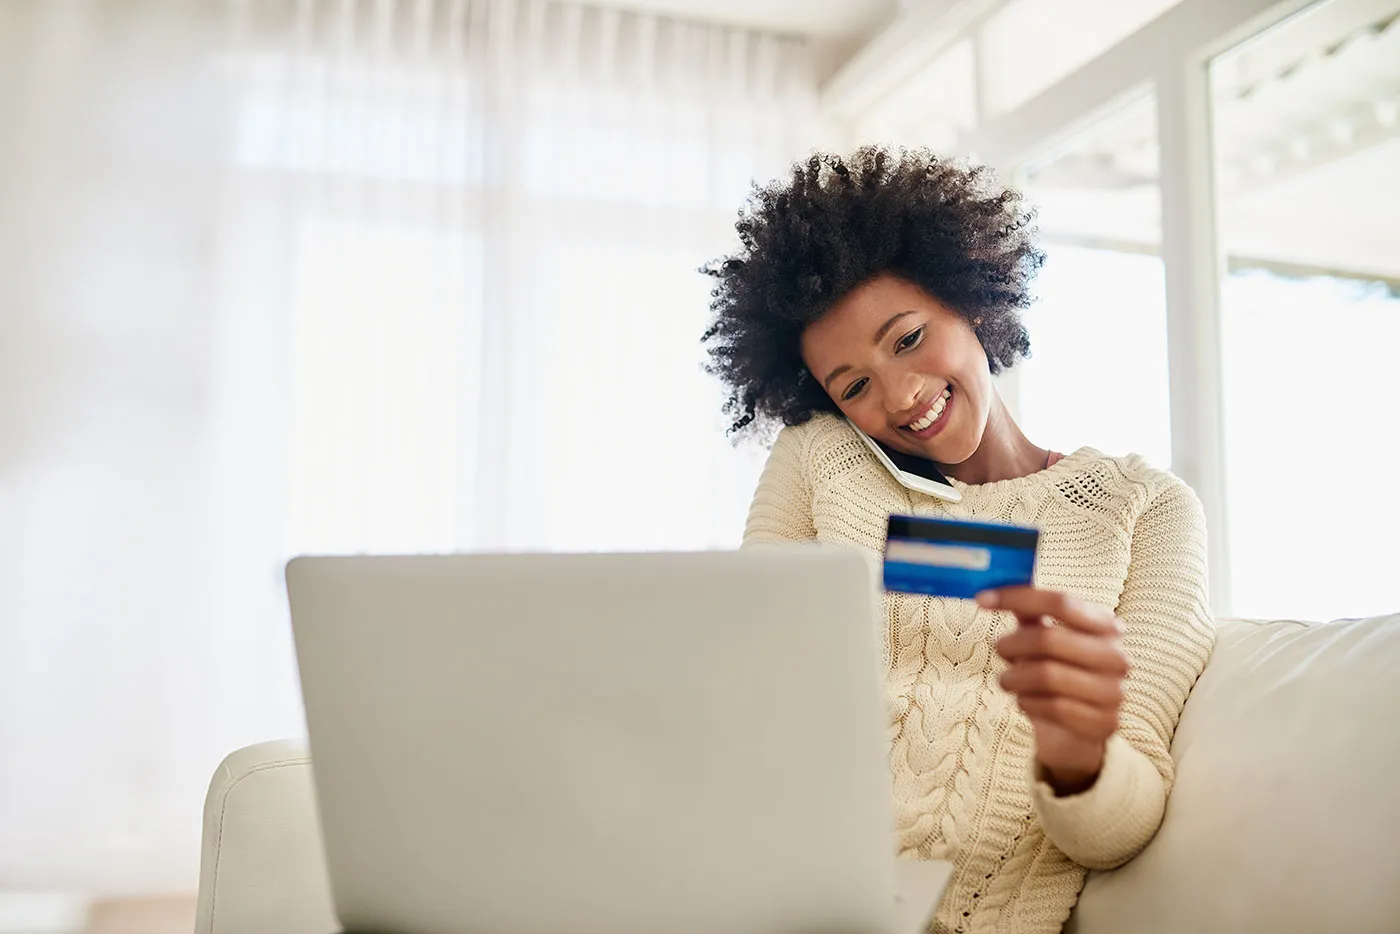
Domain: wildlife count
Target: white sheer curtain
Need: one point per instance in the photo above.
(288, 276)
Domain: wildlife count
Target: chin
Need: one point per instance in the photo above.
(950, 447)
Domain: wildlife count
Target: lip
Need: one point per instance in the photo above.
(937, 426)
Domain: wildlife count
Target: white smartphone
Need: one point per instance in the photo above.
(914, 473)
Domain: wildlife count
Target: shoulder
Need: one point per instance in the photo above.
(820, 430)
(850, 493)
(1128, 493)
(1128, 479)
(819, 443)
(1164, 494)
(1165, 511)
(806, 448)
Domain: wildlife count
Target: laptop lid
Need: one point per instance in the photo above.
(598, 744)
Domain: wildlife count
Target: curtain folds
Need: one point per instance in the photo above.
(286, 276)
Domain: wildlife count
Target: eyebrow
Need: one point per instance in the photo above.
(879, 336)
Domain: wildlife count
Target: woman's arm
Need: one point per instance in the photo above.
(782, 505)
(1168, 635)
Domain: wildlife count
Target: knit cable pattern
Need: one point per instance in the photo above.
(1114, 531)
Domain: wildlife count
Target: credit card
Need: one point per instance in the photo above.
(955, 557)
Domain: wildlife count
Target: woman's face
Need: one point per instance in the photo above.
(905, 368)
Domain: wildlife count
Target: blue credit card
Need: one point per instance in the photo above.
(957, 558)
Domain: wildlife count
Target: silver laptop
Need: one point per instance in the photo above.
(603, 744)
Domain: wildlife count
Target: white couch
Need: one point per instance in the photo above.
(1285, 816)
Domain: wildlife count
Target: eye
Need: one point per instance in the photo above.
(910, 340)
(854, 389)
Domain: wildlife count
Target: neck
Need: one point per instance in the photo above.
(1004, 453)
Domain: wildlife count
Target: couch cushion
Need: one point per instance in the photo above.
(1285, 815)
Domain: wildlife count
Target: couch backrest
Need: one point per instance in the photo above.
(1285, 815)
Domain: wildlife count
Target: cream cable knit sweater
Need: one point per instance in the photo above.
(1113, 531)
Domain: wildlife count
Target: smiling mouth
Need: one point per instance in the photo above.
(931, 416)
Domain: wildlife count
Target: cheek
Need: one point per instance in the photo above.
(961, 361)
(947, 360)
(940, 359)
(868, 414)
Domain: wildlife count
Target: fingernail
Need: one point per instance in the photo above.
(987, 598)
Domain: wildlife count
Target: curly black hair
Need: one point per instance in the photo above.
(808, 240)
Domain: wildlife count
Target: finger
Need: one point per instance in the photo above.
(1031, 603)
(1094, 653)
(1083, 720)
(1051, 678)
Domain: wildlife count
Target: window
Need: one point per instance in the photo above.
(1309, 215)
(1098, 374)
(1312, 440)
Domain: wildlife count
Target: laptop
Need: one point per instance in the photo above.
(603, 744)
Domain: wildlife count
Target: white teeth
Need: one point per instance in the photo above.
(933, 413)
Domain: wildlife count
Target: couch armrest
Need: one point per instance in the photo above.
(261, 867)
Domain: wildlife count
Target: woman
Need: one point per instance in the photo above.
(1030, 730)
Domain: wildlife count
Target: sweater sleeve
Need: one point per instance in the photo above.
(1169, 636)
(782, 505)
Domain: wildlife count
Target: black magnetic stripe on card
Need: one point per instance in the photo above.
(934, 530)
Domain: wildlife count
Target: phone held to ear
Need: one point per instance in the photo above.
(914, 473)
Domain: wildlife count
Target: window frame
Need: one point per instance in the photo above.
(1170, 58)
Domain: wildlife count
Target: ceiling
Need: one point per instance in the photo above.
(828, 19)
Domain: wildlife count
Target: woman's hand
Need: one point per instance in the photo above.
(1066, 667)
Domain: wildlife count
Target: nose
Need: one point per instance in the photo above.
(902, 391)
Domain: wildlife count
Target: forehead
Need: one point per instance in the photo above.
(854, 320)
